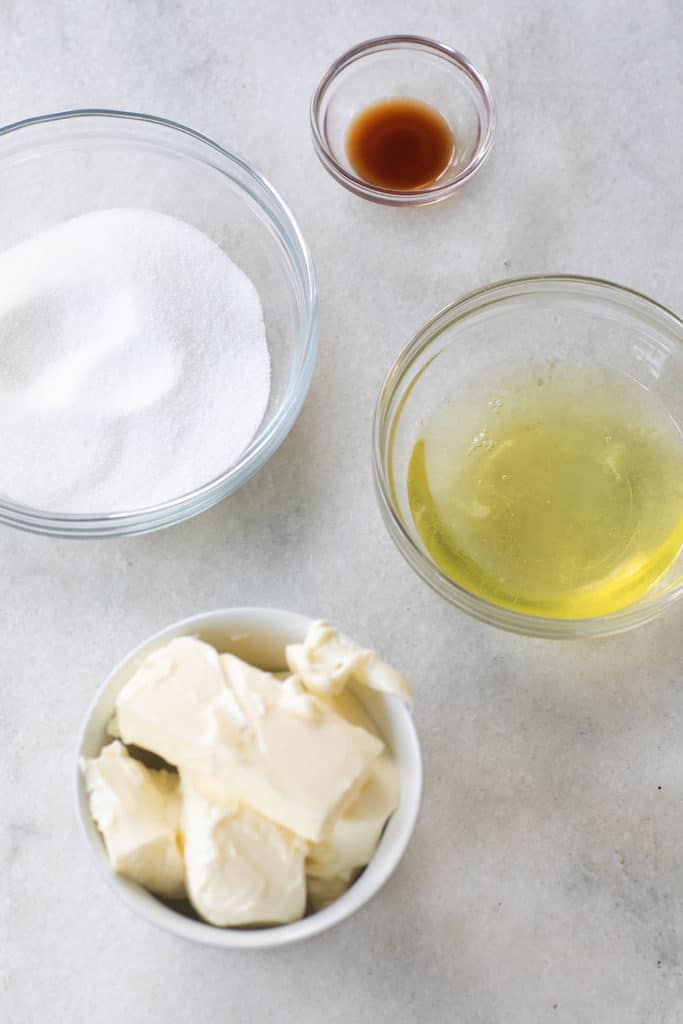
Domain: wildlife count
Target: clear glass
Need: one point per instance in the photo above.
(592, 322)
(62, 165)
(413, 67)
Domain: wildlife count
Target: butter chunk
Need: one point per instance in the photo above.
(240, 868)
(333, 863)
(177, 703)
(327, 659)
(241, 735)
(137, 810)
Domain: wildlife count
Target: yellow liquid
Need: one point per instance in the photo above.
(559, 495)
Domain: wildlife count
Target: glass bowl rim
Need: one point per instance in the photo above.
(268, 438)
(386, 416)
(399, 197)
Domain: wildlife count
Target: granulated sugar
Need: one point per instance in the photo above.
(133, 363)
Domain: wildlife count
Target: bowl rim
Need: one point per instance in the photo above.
(267, 439)
(159, 914)
(400, 197)
(385, 418)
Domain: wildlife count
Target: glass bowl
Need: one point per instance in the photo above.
(586, 321)
(62, 165)
(416, 68)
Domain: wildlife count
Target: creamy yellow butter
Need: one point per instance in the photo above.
(283, 787)
(332, 864)
(233, 729)
(327, 660)
(137, 810)
(240, 868)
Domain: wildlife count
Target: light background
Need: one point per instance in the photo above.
(545, 880)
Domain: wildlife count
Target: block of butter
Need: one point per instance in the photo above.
(333, 863)
(137, 810)
(327, 660)
(240, 735)
(240, 868)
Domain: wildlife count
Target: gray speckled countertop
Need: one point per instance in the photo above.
(545, 879)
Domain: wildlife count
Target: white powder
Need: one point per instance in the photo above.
(133, 363)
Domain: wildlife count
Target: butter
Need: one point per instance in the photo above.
(241, 735)
(240, 868)
(137, 810)
(284, 784)
(333, 863)
(327, 659)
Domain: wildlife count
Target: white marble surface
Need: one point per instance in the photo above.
(545, 880)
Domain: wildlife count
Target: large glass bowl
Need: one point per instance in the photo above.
(586, 321)
(63, 165)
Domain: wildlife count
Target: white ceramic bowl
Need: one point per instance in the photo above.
(258, 635)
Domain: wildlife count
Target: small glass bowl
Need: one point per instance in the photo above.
(586, 321)
(415, 68)
(63, 165)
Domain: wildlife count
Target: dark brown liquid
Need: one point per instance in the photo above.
(400, 144)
